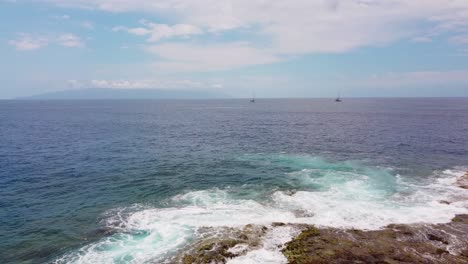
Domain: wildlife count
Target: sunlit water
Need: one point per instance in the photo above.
(139, 181)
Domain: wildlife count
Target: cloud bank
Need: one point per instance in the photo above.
(186, 38)
(29, 42)
(290, 27)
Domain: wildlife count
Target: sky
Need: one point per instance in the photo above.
(273, 48)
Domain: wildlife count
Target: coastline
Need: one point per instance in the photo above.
(395, 243)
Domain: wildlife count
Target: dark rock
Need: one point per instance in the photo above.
(436, 238)
(216, 252)
(188, 259)
(394, 244)
(463, 181)
(290, 192)
(461, 219)
(243, 237)
(403, 229)
(276, 224)
(441, 251)
(217, 249)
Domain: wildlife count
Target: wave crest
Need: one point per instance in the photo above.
(343, 195)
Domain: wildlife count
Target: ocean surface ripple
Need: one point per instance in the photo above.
(141, 181)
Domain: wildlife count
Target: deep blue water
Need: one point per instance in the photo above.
(66, 165)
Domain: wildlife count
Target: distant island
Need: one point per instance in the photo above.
(107, 93)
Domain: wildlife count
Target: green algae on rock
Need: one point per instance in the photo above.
(394, 244)
(219, 250)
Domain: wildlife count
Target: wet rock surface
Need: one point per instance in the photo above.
(463, 181)
(219, 249)
(396, 243)
(442, 243)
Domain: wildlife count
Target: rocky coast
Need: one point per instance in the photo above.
(395, 243)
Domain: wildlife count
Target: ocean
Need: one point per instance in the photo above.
(140, 181)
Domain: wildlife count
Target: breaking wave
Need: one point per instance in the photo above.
(313, 191)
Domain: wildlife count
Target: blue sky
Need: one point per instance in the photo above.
(297, 48)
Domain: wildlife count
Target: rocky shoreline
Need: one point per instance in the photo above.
(417, 243)
(396, 243)
(463, 181)
(232, 244)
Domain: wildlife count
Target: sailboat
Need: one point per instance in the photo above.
(338, 98)
(252, 100)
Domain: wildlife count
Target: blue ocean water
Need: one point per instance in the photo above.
(133, 181)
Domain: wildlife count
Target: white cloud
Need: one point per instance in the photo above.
(286, 28)
(135, 31)
(119, 84)
(62, 17)
(163, 83)
(459, 39)
(157, 32)
(74, 84)
(308, 26)
(87, 25)
(29, 42)
(26, 42)
(422, 39)
(194, 57)
(70, 40)
(415, 79)
(217, 85)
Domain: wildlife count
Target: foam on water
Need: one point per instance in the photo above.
(273, 242)
(342, 195)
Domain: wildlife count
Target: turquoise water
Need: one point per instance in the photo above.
(140, 181)
(345, 195)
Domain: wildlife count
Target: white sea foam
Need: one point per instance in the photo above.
(359, 203)
(270, 252)
(361, 198)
